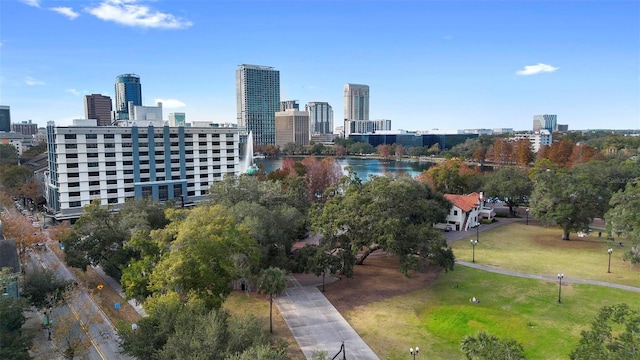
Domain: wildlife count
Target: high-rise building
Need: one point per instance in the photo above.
(546, 121)
(99, 107)
(320, 117)
(5, 118)
(356, 102)
(128, 89)
(258, 100)
(289, 104)
(177, 119)
(25, 128)
(117, 163)
(292, 126)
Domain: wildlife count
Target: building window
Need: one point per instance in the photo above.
(109, 145)
(72, 166)
(75, 204)
(74, 175)
(112, 200)
(94, 183)
(128, 172)
(127, 163)
(128, 181)
(70, 146)
(126, 136)
(69, 136)
(74, 184)
(159, 161)
(92, 155)
(146, 191)
(229, 166)
(110, 163)
(202, 151)
(111, 172)
(92, 164)
(144, 144)
(159, 153)
(94, 192)
(163, 192)
(112, 182)
(74, 193)
(455, 212)
(112, 191)
(91, 136)
(72, 156)
(127, 153)
(92, 146)
(109, 154)
(108, 136)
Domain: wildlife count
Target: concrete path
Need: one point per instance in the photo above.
(549, 278)
(318, 326)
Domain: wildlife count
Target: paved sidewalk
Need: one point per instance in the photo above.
(544, 277)
(318, 326)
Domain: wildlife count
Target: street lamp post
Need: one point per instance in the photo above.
(473, 252)
(478, 231)
(609, 251)
(527, 216)
(414, 352)
(560, 277)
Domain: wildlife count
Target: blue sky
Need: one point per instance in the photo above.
(429, 64)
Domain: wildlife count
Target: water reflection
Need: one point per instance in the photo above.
(363, 167)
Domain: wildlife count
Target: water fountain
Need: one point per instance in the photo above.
(249, 167)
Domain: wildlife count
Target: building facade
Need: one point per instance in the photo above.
(545, 122)
(292, 126)
(289, 104)
(365, 126)
(258, 100)
(177, 119)
(5, 118)
(99, 107)
(320, 117)
(128, 89)
(25, 128)
(409, 140)
(116, 163)
(537, 139)
(356, 102)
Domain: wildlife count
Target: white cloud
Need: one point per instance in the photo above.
(72, 91)
(536, 69)
(66, 11)
(170, 103)
(34, 3)
(132, 13)
(33, 82)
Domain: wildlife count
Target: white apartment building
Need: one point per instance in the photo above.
(537, 139)
(116, 163)
(365, 126)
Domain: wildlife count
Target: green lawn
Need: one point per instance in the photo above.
(439, 316)
(539, 250)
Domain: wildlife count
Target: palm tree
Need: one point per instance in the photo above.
(272, 281)
(486, 346)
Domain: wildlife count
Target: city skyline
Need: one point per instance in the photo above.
(430, 64)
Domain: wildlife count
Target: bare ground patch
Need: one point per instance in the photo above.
(379, 278)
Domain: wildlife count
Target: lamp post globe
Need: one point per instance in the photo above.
(414, 352)
(560, 277)
(610, 251)
(473, 251)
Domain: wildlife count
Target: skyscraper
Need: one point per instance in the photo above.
(356, 102)
(128, 88)
(292, 126)
(320, 117)
(258, 100)
(5, 118)
(546, 121)
(98, 107)
(289, 104)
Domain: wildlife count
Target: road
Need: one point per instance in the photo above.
(92, 321)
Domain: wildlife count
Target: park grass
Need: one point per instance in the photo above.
(535, 249)
(240, 303)
(438, 317)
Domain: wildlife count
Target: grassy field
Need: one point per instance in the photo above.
(535, 249)
(439, 316)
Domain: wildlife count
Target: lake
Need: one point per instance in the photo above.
(363, 167)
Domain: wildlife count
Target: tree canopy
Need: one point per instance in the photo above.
(395, 215)
(509, 184)
(624, 217)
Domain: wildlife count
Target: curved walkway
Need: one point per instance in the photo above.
(549, 278)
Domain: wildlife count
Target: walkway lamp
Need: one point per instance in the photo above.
(560, 277)
(527, 216)
(414, 352)
(478, 231)
(609, 251)
(473, 252)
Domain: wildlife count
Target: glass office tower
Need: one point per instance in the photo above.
(258, 100)
(128, 88)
